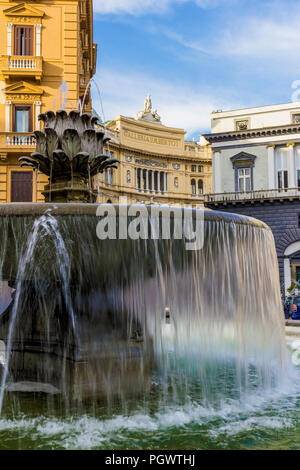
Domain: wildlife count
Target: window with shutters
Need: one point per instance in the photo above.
(22, 118)
(23, 40)
(21, 186)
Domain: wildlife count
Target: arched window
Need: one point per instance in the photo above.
(193, 187)
(200, 187)
(110, 176)
(128, 178)
(176, 182)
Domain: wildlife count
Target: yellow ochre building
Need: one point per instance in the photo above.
(47, 58)
(156, 164)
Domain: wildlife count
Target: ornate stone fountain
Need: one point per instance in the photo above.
(87, 315)
(70, 152)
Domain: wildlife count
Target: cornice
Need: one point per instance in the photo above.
(160, 156)
(253, 133)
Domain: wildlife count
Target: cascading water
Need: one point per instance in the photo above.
(136, 334)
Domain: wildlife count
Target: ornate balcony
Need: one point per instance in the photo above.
(246, 197)
(12, 141)
(20, 66)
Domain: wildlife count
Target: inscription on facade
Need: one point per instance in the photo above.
(24, 19)
(143, 161)
(150, 139)
(22, 97)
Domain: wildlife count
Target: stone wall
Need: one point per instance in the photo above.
(281, 217)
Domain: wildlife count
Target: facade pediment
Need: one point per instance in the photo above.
(22, 88)
(23, 10)
(243, 158)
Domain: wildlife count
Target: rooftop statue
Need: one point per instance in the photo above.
(147, 104)
(147, 114)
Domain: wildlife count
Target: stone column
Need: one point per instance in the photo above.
(287, 273)
(165, 182)
(7, 116)
(147, 180)
(9, 40)
(38, 28)
(158, 181)
(152, 180)
(136, 178)
(271, 167)
(291, 166)
(37, 112)
(216, 164)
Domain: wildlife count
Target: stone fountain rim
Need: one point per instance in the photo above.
(62, 209)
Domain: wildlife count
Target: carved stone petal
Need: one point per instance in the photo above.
(50, 119)
(99, 138)
(77, 121)
(71, 143)
(61, 163)
(61, 122)
(52, 141)
(86, 119)
(31, 162)
(94, 120)
(41, 143)
(80, 162)
(88, 142)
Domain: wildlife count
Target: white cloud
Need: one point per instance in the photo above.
(178, 105)
(133, 7)
(144, 7)
(259, 38)
(264, 37)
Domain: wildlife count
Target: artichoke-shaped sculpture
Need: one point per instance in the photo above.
(69, 151)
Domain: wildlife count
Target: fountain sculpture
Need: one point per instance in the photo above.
(70, 151)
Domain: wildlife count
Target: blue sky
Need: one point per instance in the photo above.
(195, 56)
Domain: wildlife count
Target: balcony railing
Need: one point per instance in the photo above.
(21, 65)
(262, 194)
(11, 140)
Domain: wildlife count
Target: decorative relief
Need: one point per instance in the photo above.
(24, 19)
(242, 125)
(296, 118)
(22, 97)
(153, 163)
(150, 139)
(128, 158)
(176, 166)
(147, 114)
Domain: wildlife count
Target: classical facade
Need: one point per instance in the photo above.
(47, 58)
(256, 172)
(156, 164)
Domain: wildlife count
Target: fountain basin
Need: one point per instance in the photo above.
(87, 315)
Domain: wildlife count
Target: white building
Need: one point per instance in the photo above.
(256, 172)
(256, 148)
